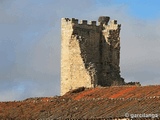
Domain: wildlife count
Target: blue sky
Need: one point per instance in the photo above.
(30, 42)
(143, 9)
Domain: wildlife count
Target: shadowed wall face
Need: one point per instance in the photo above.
(89, 54)
(110, 51)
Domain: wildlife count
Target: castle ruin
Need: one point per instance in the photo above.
(90, 53)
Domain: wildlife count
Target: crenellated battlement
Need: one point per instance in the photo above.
(78, 22)
(90, 53)
(102, 21)
(84, 22)
(113, 22)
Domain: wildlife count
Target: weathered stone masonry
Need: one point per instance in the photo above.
(90, 53)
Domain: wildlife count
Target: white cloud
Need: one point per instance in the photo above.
(30, 37)
(139, 44)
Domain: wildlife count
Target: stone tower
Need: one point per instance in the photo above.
(90, 53)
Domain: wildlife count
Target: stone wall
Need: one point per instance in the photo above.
(89, 54)
(111, 54)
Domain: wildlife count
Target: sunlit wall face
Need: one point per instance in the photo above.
(30, 42)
